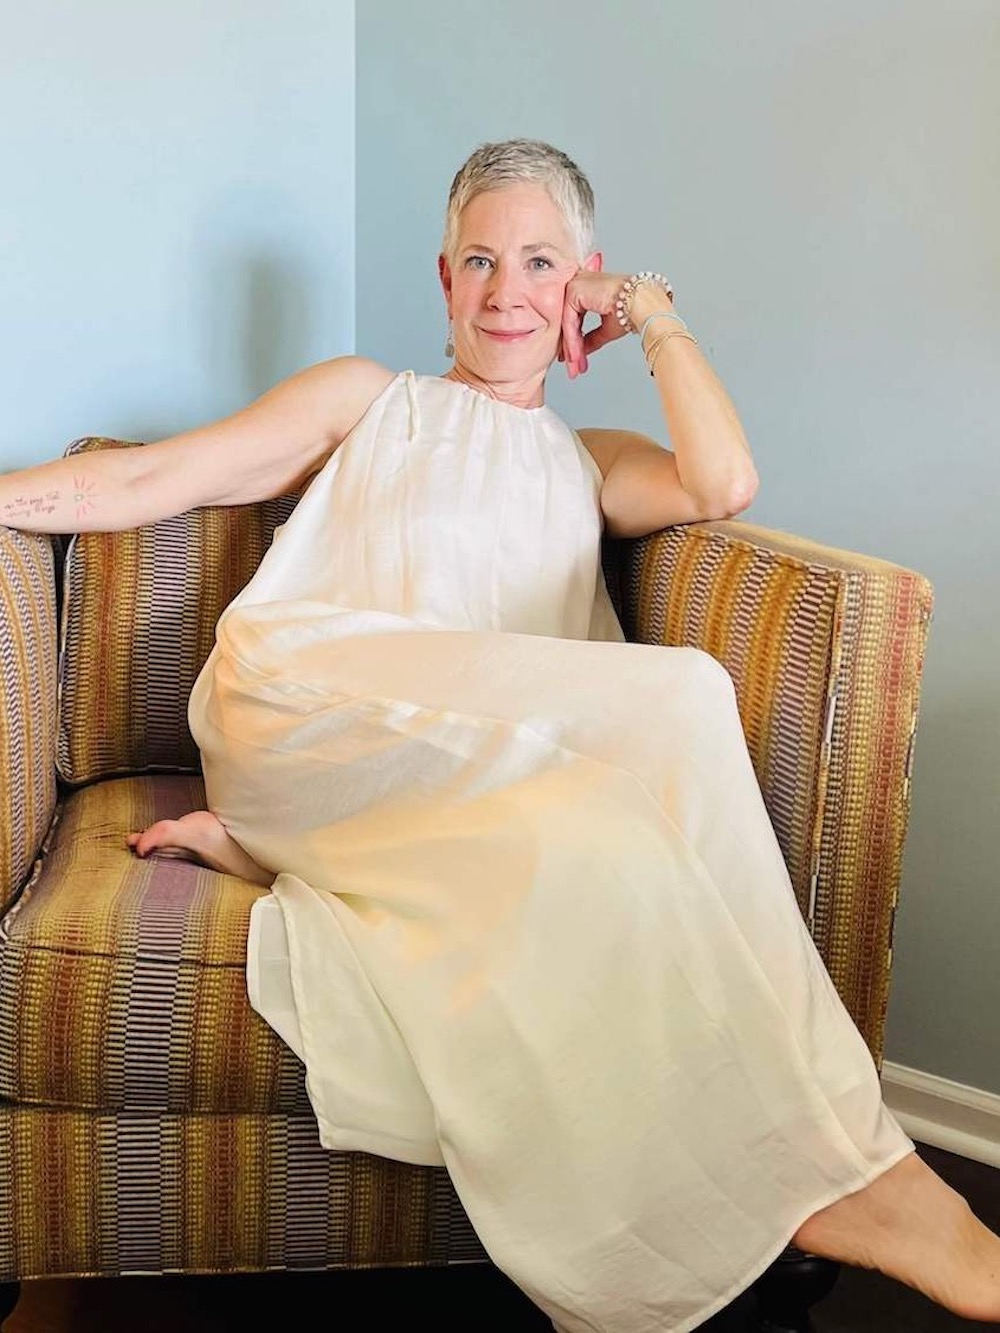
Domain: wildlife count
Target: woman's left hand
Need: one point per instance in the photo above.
(588, 292)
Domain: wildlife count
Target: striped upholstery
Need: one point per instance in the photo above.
(27, 704)
(143, 962)
(149, 1120)
(139, 617)
(825, 648)
(104, 1195)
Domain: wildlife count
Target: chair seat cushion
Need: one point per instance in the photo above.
(123, 982)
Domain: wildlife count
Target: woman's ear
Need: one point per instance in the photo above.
(444, 273)
(594, 263)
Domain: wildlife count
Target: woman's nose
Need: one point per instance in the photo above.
(504, 290)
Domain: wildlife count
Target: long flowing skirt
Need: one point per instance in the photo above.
(531, 921)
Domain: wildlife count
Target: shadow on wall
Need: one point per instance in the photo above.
(252, 320)
(257, 327)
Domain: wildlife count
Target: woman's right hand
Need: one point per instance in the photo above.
(589, 292)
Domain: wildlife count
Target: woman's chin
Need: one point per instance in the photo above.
(511, 362)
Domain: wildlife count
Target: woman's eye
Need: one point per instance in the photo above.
(540, 263)
(477, 262)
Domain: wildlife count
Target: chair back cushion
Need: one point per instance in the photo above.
(138, 621)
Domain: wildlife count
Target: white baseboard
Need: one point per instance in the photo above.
(946, 1115)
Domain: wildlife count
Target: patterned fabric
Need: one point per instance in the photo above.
(124, 1002)
(104, 1195)
(139, 615)
(826, 651)
(27, 704)
(131, 974)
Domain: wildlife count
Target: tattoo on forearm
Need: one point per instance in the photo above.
(83, 496)
(33, 504)
(30, 505)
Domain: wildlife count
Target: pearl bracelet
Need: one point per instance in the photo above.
(623, 302)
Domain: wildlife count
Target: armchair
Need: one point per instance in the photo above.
(150, 1121)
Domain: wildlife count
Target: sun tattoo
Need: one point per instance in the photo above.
(81, 496)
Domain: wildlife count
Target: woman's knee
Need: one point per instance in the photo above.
(707, 674)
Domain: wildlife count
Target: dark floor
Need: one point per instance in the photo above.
(473, 1300)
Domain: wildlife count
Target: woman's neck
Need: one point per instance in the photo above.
(530, 393)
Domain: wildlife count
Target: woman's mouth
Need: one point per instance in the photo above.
(507, 335)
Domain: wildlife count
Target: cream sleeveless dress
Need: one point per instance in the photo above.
(530, 918)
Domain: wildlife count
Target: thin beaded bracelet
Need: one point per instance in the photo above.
(664, 337)
(660, 314)
(623, 301)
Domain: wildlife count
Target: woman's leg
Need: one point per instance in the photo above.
(912, 1226)
(201, 836)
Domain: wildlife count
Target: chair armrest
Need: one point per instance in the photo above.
(826, 649)
(28, 651)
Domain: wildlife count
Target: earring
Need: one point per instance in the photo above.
(449, 343)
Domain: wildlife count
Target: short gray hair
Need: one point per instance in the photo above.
(524, 161)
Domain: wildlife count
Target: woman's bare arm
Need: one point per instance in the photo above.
(709, 472)
(643, 490)
(266, 449)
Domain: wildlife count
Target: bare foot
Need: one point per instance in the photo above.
(201, 837)
(912, 1226)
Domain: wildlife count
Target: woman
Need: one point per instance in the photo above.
(523, 921)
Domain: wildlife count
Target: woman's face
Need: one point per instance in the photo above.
(505, 282)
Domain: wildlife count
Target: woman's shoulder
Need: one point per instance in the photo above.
(356, 381)
(338, 392)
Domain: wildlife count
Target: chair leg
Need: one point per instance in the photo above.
(786, 1292)
(9, 1295)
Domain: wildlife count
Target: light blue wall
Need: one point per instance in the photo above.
(822, 184)
(176, 210)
